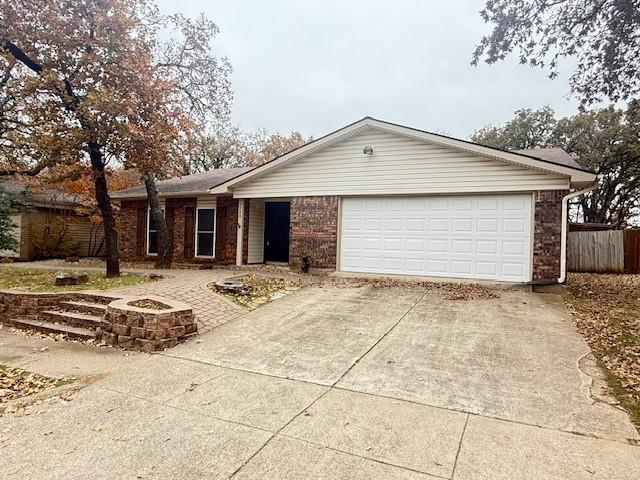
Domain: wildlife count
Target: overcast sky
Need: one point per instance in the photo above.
(315, 66)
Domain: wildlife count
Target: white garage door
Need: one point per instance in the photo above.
(471, 236)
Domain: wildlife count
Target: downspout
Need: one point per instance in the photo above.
(563, 235)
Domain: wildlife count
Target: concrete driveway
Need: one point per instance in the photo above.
(367, 383)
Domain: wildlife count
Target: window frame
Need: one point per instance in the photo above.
(213, 232)
(151, 254)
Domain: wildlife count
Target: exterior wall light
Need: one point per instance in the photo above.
(368, 150)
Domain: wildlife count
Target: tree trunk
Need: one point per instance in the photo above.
(104, 204)
(164, 243)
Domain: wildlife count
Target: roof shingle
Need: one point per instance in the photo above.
(554, 155)
(196, 183)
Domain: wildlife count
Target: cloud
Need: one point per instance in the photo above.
(315, 66)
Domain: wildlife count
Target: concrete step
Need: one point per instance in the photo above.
(72, 319)
(55, 328)
(85, 307)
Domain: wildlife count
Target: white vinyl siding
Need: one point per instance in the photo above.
(472, 236)
(399, 166)
(207, 202)
(256, 231)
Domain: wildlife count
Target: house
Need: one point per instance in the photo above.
(51, 225)
(374, 197)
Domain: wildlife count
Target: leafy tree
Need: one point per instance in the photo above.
(198, 94)
(268, 147)
(603, 36)
(91, 82)
(224, 148)
(229, 147)
(528, 129)
(7, 240)
(606, 141)
(10, 204)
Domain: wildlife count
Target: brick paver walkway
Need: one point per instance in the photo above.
(190, 287)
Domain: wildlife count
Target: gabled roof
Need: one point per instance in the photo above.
(198, 183)
(577, 174)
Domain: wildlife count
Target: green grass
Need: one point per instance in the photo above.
(37, 280)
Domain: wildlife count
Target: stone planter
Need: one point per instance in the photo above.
(147, 329)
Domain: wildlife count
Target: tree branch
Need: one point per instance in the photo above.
(21, 56)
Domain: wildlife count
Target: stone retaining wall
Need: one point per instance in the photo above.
(147, 329)
(123, 325)
(27, 304)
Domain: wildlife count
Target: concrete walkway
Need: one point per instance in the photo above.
(348, 383)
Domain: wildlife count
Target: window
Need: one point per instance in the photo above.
(205, 232)
(152, 234)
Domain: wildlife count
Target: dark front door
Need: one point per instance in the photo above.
(276, 232)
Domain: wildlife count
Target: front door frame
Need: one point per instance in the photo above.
(269, 254)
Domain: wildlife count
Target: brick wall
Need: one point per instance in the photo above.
(226, 231)
(226, 238)
(547, 235)
(314, 231)
(176, 229)
(128, 229)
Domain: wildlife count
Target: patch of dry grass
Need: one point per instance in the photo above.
(606, 309)
(41, 280)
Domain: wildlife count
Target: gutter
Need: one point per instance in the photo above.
(143, 196)
(565, 226)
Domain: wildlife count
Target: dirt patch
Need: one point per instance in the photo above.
(294, 280)
(16, 383)
(258, 290)
(150, 304)
(606, 309)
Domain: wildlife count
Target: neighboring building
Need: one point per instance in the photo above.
(373, 197)
(50, 225)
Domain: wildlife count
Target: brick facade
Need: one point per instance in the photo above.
(132, 233)
(314, 231)
(547, 235)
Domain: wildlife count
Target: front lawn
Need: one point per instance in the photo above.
(607, 313)
(44, 280)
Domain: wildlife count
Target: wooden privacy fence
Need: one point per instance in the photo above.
(604, 251)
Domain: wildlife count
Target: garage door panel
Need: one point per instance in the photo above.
(487, 247)
(483, 236)
(462, 225)
(488, 225)
(438, 225)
